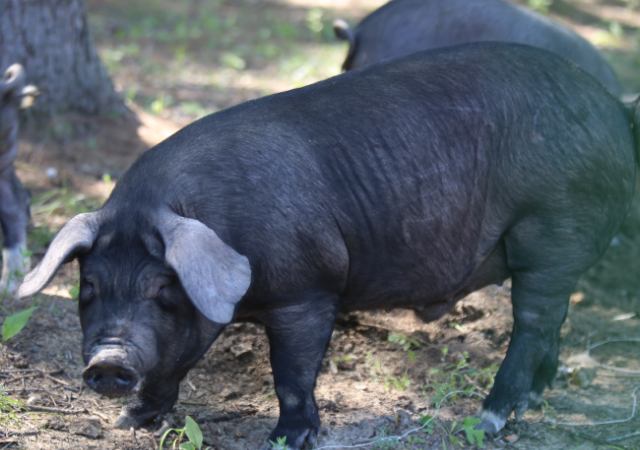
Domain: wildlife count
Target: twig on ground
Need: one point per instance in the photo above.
(6, 371)
(34, 408)
(588, 437)
(606, 341)
(626, 436)
(20, 433)
(227, 417)
(64, 383)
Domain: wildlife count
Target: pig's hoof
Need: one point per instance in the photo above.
(308, 438)
(535, 400)
(491, 423)
(125, 422)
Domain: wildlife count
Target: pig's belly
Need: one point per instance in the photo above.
(425, 286)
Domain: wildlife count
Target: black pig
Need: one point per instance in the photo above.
(15, 200)
(407, 184)
(406, 26)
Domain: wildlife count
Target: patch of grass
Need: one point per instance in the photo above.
(380, 374)
(8, 408)
(62, 201)
(458, 376)
(406, 343)
(190, 45)
(386, 442)
(453, 430)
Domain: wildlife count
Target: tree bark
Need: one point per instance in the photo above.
(52, 40)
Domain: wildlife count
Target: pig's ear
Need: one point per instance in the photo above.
(213, 274)
(75, 237)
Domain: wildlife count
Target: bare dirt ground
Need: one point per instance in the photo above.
(383, 370)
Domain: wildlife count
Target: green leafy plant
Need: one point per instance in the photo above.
(428, 423)
(475, 437)
(16, 322)
(193, 432)
(412, 440)
(406, 343)
(280, 444)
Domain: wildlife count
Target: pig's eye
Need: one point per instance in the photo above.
(160, 288)
(87, 289)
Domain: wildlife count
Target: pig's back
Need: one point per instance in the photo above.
(402, 27)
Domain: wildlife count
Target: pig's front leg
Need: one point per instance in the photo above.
(151, 403)
(298, 337)
(14, 218)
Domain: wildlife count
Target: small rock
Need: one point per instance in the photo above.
(86, 427)
(34, 398)
(333, 367)
(55, 423)
(583, 376)
(228, 394)
(511, 438)
(243, 352)
(348, 347)
(348, 366)
(51, 172)
(576, 297)
(240, 348)
(330, 406)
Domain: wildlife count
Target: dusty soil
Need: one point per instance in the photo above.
(369, 386)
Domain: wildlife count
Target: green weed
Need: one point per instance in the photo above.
(412, 440)
(386, 442)
(458, 376)
(473, 436)
(406, 343)
(16, 322)
(8, 408)
(193, 432)
(379, 374)
(280, 444)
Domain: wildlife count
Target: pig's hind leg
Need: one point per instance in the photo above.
(532, 358)
(298, 337)
(546, 256)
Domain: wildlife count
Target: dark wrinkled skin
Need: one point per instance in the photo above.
(405, 184)
(401, 27)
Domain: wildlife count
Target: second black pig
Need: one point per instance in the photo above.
(402, 27)
(15, 199)
(406, 184)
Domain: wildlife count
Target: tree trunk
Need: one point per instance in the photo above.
(51, 39)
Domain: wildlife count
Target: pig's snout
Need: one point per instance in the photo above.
(110, 376)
